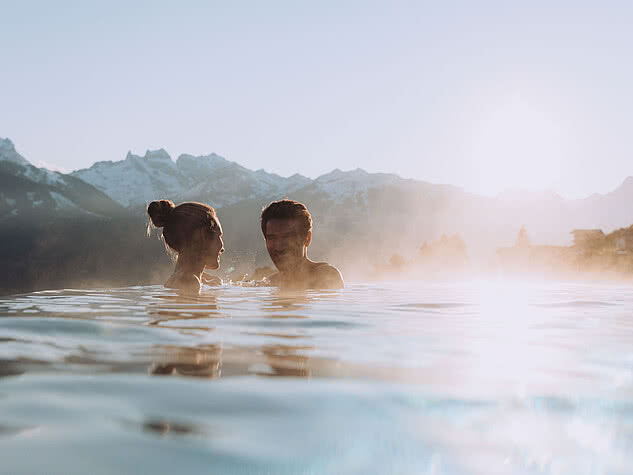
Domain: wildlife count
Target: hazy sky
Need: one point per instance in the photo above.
(483, 95)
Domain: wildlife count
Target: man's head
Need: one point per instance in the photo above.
(287, 228)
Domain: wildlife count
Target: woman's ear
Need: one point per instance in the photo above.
(200, 236)
(195, 243)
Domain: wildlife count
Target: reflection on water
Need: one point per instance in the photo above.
(180, 307)
(478, 377)
(204, 361)
(163, 427)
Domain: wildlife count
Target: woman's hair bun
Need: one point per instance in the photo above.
(160, 212)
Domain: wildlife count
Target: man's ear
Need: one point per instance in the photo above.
(308, 239)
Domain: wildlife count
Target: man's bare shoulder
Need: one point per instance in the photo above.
(326, 276)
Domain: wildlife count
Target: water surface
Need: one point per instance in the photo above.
(418, 377)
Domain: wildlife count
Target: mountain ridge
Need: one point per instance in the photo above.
(29, 190)
(415, 210)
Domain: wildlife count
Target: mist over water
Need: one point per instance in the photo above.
(479, 376)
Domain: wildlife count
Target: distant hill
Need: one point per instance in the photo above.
(27, 191)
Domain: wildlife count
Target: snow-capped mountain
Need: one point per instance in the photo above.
(9, 154)
(210, 178)
(220, 182)
(26, 189)
(135, 180)
(22, 167)
(338, 183)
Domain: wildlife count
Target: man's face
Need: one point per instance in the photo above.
(285, 242)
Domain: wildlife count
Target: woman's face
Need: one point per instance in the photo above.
(214, 246)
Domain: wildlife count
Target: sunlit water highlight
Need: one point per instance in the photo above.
(419, 377)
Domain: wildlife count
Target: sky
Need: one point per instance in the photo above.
(487, 96)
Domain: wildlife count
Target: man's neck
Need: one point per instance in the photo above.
(297, 272)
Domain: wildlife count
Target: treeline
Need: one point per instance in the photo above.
(39, 252)
(78, 252)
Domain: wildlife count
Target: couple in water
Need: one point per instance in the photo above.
(193, 231)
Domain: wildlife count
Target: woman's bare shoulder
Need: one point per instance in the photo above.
(186, 282)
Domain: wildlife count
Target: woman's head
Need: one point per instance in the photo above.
(190, 228)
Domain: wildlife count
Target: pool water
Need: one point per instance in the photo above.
(477, 377)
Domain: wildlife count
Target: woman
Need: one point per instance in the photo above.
(191, 230)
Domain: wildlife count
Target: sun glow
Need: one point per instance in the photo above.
(518, 143)
(507, 345)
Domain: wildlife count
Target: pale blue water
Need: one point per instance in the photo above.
(417, 377)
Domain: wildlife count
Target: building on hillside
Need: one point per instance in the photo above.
(592, 251)
(620, 241)
(587, 240)
(527, 257)
(523, 240)
(620, 246)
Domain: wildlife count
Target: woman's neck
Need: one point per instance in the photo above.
(189, 264)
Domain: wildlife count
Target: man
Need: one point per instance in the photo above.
(287, 228)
